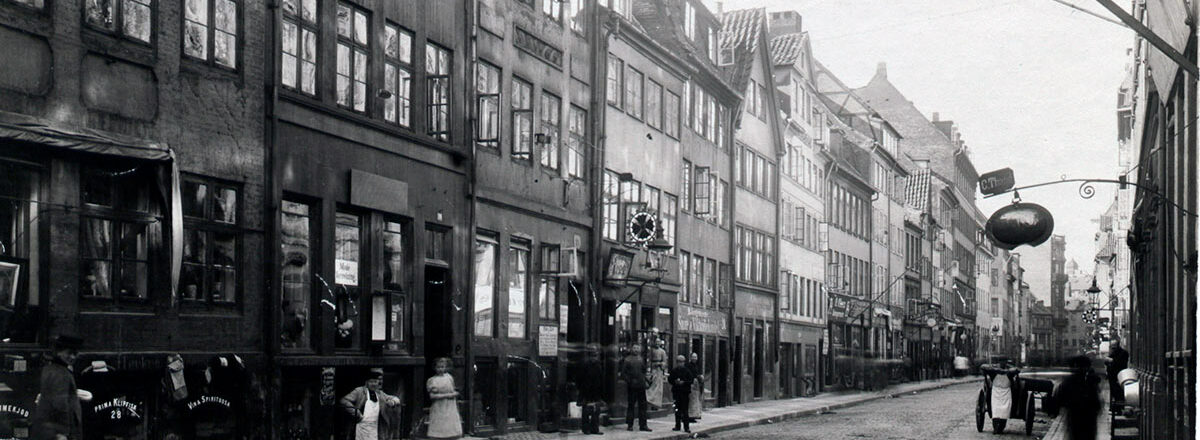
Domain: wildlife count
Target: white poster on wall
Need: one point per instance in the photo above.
(547, 340)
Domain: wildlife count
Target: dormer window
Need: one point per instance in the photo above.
(689, 20)
(725, 56)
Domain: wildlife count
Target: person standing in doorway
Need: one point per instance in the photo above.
(633, 370)
(58, 415)
(681, 387)
(444, 420)
(375, 414)
(696, 397)
(1079, 395)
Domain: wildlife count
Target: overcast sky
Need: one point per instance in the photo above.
(1032, 85)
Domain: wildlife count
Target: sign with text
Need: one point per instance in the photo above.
(547, 340)
(996, 182)
(699, 320)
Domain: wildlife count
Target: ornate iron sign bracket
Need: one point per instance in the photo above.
(1087, 191)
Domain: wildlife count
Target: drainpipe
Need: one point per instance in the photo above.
(271, 184)
(471, 10)
(599, 53)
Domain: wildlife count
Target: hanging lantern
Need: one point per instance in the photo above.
(1020, 223)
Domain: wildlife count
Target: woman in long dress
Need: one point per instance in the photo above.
(696, 398)
(444, 421)
(658, 375)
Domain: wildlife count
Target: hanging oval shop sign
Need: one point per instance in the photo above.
(1018, 224)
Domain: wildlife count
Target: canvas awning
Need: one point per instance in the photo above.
(53, 134)
(1169, 20)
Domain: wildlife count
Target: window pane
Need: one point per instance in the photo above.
(195, 250)
(134, 276)
(225, 49)
(133, 241)
(344, 26)
(225, 205)
(191, 281)
(393, 256)
(100, 13)
(194, 194)
(97, 279)
(297, 245)
(137, 19)
(224, 284)
(485, 292)
(518, 276)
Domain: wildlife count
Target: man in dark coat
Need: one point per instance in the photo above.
(591, 391)
(1118, 360)
(58, 415)
(1079, 395)
(681, 387)
(633, 370)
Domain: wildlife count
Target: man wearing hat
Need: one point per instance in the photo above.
(375, 415)
(58, 415)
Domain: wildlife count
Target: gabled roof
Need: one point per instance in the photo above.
(661, 23)
(786, 49)
(741, 31)
(909, 122)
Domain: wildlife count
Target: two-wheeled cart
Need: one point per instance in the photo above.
(1023, 390)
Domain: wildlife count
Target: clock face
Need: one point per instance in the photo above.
(931, 322)
(643, 226)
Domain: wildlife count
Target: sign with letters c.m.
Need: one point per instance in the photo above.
(996, 182)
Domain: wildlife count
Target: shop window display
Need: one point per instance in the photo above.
(117, 222)
(21, 308)
(484, 394)
(347, 249)
(298, 242)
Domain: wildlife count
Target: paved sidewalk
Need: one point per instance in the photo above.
(754, 413)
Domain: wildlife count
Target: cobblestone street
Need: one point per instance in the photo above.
(947, 413)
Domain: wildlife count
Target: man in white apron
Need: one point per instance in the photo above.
(371, 407)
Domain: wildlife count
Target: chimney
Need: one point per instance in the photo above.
(935, 116)
(783, 23)
(881, 70)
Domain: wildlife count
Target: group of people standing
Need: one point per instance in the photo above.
(645, 382)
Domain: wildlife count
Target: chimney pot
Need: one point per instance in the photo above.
(935, 116)
(881, 70)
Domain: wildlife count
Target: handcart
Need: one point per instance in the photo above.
(1008, 393)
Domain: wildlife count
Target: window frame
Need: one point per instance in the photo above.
(118, 216)
(210, 227)
(118, 19)
(512, 272)
(483, 238)
(634, 92)
(481, 139)
(550, 126)
(303, 27)
(614, 83)
(438, 128)
(521, 151)
(354, 49)
(210, 35)
(576, 142)
(399, 103)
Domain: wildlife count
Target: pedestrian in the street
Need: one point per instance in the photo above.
(681, 386)
(658, 374)
(696, 397)
(633, 371)
(444, 420)
(375, 414)
(1118, 360)
(591, 391)
(58, 415)
(1079, 395)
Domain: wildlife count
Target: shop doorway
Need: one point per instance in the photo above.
(738, 368)
(758, 361)
(439, 325)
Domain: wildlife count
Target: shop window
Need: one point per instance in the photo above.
(21, 306)
(548, 285)
(353, 51)
(397, 75)
(298, 51)
(437, 79)
(551, 108)
(576, 141)
(298, 243)
(211, 23)
(624, 323)
(518, 289)
(517, 381)
(211, 242)
(484, 394)
(128, 18)
(116, 223)
(347, 251)
(39, 4)
(522, 119)
(485, 286)
(393, 243)
(487, 90)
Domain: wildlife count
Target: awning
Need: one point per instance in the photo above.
(19, 127)
(1168, 19)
